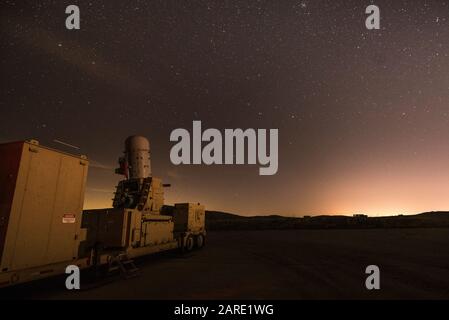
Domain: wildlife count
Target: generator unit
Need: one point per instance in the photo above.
(190, 219)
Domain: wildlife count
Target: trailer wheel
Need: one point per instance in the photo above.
(189, 244)
(200, 240)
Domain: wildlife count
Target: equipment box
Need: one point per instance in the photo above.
(41, 201)
(107, 228)
(189, 217)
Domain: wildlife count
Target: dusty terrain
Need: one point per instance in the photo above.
(282, 264)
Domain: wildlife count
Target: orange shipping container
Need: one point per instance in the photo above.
(41, 202)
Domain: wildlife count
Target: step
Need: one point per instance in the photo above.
(113, 268)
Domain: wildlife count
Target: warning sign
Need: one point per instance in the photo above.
(68, 218)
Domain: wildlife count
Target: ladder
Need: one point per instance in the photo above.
(124, 264)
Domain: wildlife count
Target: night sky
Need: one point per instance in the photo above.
(363, 115)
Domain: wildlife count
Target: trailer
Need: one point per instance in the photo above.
(43, 227)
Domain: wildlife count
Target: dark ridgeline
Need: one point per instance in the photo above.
(225, 221)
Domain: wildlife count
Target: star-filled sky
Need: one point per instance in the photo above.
(363, 115)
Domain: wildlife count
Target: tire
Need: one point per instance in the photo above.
(189, 244)
(200, 241)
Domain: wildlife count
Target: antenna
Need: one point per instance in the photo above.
(66, 144)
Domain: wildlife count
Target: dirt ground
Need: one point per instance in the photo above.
(288, 264)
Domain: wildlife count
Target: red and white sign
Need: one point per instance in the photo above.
(68, 218)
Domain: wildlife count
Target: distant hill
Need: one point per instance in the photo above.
(218, 215)
(216, 220)
(435, 214)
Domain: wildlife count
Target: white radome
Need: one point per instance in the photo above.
(137, 151)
